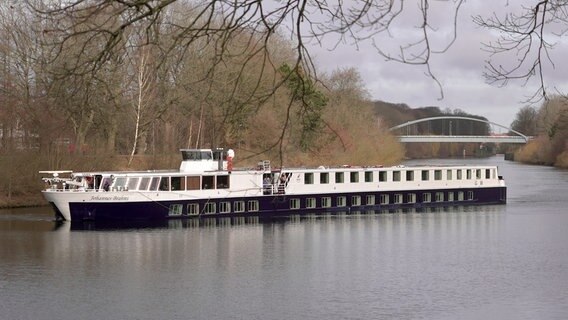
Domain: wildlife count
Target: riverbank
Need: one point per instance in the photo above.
(542, 151)
(22, 201)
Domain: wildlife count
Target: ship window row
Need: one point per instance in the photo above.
(193, 209)
(324, 177)
(437, 175)
(166, 183)
(240, 206)
(384, 199)
(400, 175)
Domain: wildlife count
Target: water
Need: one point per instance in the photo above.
(487, 262)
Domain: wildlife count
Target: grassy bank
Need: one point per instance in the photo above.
(543, 151)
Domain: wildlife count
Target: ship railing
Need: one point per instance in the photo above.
(264, 165)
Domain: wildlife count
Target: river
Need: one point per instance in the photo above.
(488, 262)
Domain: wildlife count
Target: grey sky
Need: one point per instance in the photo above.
(460, 70)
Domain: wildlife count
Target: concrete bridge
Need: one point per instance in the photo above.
(517, 138)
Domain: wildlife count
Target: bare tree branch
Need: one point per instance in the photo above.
(527, 38)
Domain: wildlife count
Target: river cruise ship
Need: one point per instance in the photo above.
(206, 185)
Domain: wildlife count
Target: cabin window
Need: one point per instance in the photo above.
(196, 155)
(188, 155)
(478, 173)
(132, 183)
(354, 177)
(459, 174)
(154, 183)
(144, 183)
(175, 210)
(368, 176)
(396, 176)
(339, 177)
(325, 202)
(398, 198)
(219, 155)
(324, 177)
(439, 196)
(193, 183)
(356, 200)
(308, 178)
(382, 176)
(470, 195)
(223, 182)
(384, 198)
(239, 206)
(487, 173)
(165, 184)
(310, 203)
(176, 183)
(119, 183)
(468, 174)
(409, 175)
(460, 195)
(97, 181)
(450, 196)
(253, 205)
(411, 198)
(207, 182)
(425, 175)
(294, 203)
(437, 174)
(449, 174)
(426, 197)
(341, 201)
(210, 208)
(193, 209)
(224, 207)
(370, 200)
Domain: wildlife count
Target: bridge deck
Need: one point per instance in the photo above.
(479, 139)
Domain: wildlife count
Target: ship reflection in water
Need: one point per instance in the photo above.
(204, 222)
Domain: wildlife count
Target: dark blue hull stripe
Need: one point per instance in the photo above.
(277, 205)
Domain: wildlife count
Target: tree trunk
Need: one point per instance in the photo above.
(112, 131)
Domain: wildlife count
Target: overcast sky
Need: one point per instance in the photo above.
(460, 70)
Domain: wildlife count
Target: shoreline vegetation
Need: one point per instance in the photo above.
(548, 124)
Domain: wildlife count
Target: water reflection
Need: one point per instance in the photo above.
(209, 222)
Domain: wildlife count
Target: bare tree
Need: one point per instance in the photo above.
(218, 21)
(526, 121)
(143, 94)
(522, 49)
(204, 33)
